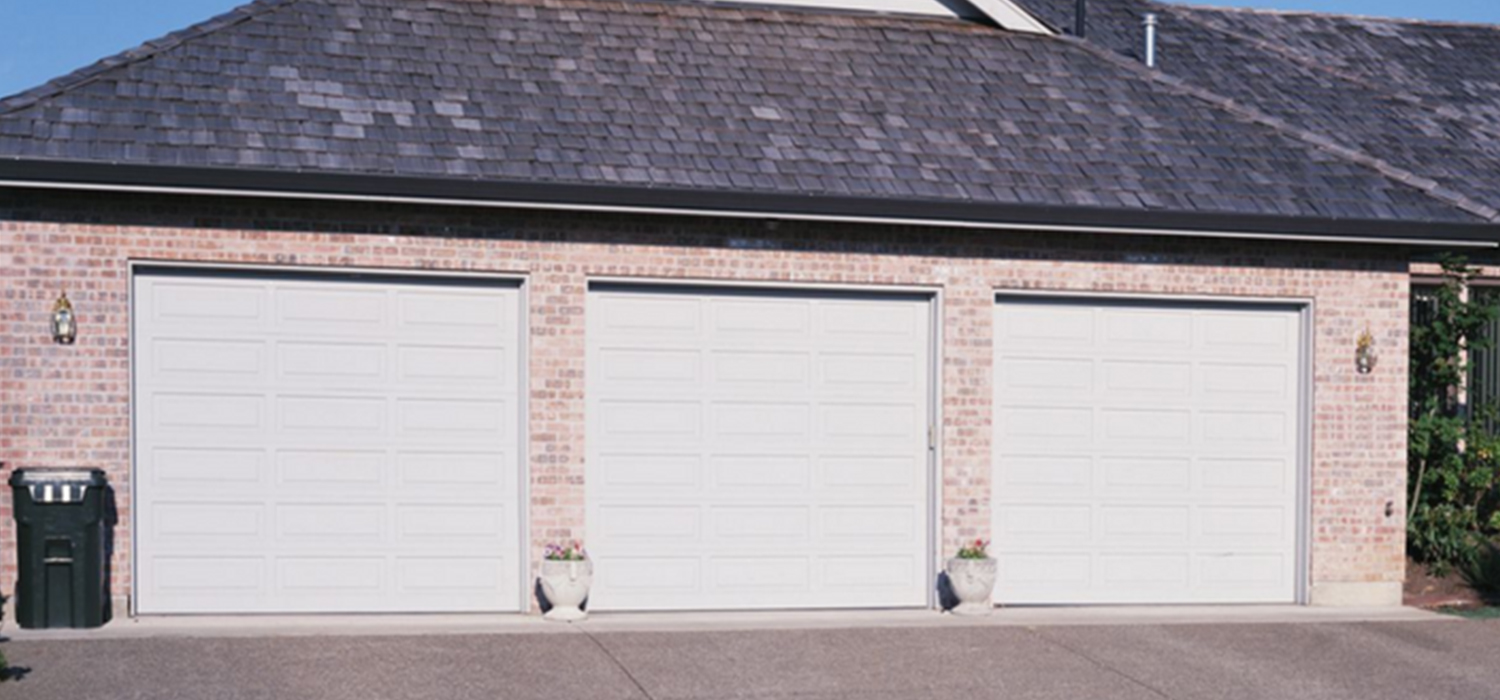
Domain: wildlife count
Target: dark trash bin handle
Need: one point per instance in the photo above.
(58, 493)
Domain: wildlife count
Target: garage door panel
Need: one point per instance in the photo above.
(865, 374)
(648, 523)
(1129, 427)
(1131, 378)
(1167, 477)
(649, 473)
(1144, 331)
(869, 422)
(626, 315)
(473, 316)
(869, 320)
(1247, 333)
(1041, 474)
(197, 521)
(435, 579)
(341, 577)
(760, 524)
(1136, 525)
(1232, 573)
(344, 470)
(870, 526)
(1048, 425)
(1147, 476)
(879, 573)
(1223, 430)
(869, 472)
(446, 365)
(1158, 574)
(197, 583)
(331, 363)
(623, 367)
(737, 485)
(1244, 381)
(187, 361)
(330, 310)
(331, 417)
(649, 422)
(751, 577)
(208, 467)
(773, 372)
(1052, 326)
(1241, 527)
(480, 523)
(330, 522)
(468, 420)
(760, 320)
(760, 422)
(213, 414)
(1021, 527)
(223, 305)
(363, 436)
(754, 475)
(1025, 377)
(422, 470)
(1239, 474)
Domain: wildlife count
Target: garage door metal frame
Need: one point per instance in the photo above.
(1306, 310)
(934, 295)
(137, 267)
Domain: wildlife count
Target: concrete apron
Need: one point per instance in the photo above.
(222, 626)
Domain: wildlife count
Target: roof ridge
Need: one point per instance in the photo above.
(145, 51)
(1327, 15)
(1441, 110)
(1390, 171)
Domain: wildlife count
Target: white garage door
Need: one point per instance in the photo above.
(326, 444)
(757, 449)
(1146, 452)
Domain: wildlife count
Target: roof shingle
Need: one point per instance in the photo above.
(664, 94)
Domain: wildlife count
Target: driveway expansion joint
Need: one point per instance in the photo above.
(1099, 663)
(618, 664)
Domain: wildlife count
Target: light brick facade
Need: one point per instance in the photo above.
(71, 405)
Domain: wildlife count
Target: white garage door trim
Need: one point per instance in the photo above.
(929, 523)
(460, 279)
(1304, 347)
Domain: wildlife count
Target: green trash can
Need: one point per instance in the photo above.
(61, 538)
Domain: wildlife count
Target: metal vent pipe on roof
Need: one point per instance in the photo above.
(1081, 18)
(1150, 22)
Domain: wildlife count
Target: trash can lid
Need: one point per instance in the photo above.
(52, 475)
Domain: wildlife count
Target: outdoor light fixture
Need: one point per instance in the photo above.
(64, 323)
(1364, 353)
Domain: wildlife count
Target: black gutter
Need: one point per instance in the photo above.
(303, 183)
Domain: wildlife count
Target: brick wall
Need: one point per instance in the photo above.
(70, 405)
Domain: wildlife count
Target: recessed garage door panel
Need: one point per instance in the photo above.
(1145, 453)
(757, 450)
(326, 445)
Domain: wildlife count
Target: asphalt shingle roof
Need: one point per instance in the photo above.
(715, 98)
(1422, 98)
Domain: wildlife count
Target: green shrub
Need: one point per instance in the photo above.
(1453, 458)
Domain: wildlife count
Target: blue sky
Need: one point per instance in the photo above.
(42, 39)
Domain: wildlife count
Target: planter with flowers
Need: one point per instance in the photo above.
(971, 574)
(566, 576)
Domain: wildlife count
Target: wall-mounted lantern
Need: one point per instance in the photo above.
(1364, 353)
(64, 323)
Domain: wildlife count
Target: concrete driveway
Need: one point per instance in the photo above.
(1364, 661)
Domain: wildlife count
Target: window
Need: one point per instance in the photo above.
(1483, 382)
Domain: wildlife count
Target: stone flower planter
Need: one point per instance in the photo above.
(566, 585)
(973, 581)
